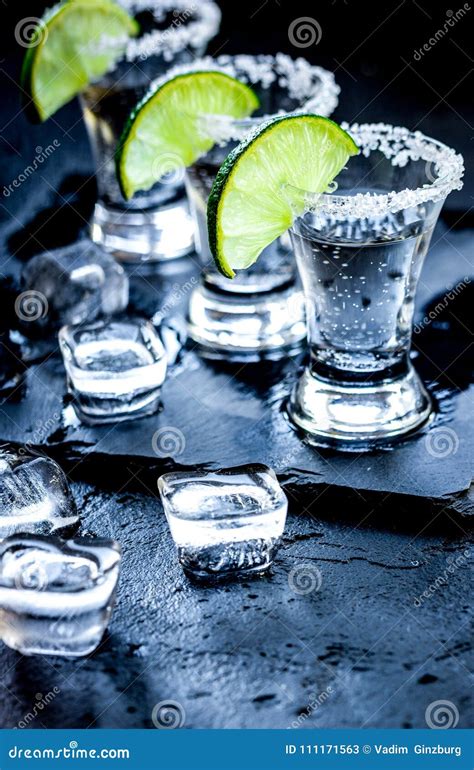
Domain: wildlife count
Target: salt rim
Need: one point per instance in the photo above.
(314, 86)
(193, 26)
(400, 146)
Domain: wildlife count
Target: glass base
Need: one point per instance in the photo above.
(331, 413)
(241, 327)
(151, 235)
(100, 411)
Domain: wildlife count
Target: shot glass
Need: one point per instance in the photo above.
(360, 252)
(56, 597)
(154, 225)
(260, 313)
(115, 369)
(227, 523)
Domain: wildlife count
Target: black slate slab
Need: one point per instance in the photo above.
(358, 645)
(255, 654)
(216, 415)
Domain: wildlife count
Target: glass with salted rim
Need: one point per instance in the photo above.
(154, 226)
(260, 313)
(360, 252)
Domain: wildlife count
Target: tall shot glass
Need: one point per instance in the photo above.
(153, 226)
(360, 252)
(260, 313)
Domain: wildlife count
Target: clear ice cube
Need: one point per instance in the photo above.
(79, 283)
(224, 523)
(56, 597)
(115, 369)
(34, 495)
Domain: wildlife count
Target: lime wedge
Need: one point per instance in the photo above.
(75, 43)
(166, 129)
(248, 207)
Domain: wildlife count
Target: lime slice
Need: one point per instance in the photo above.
(248, 207)
(165, 130)
(75, 43)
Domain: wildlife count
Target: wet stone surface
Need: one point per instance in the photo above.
(338, 633)
(256, 652)
(217, 415)
(362, 619)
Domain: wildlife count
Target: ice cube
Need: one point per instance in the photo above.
(72, 285)
(34, 495)
(224, 523)
(115, 369)
(12, 368)
(35, 568)
(56, 597)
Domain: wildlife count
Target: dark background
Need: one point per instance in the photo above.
(370, 47)
(253, 654)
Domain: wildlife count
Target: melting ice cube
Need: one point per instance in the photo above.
(56, 597)
(227, 522)
(77, 283)
(34, 495)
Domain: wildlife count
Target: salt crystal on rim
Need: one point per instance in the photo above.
(400, 146)
(193, 26)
